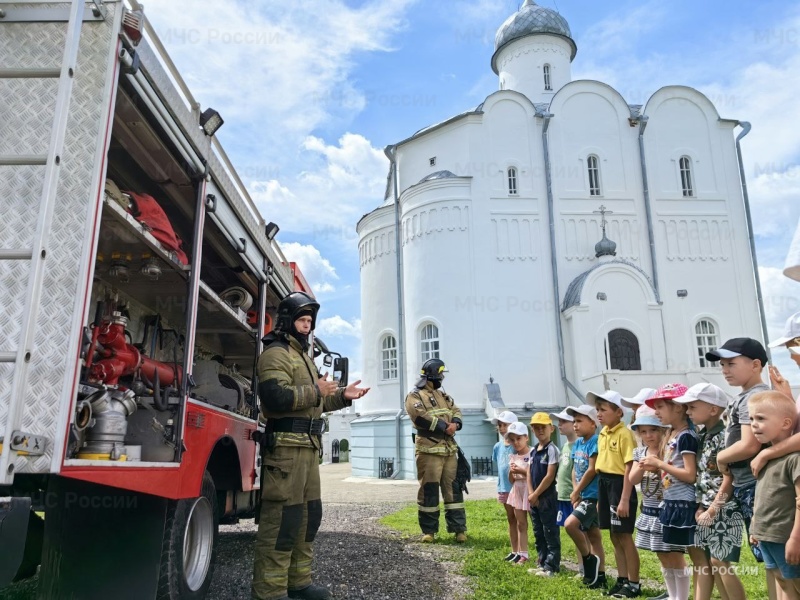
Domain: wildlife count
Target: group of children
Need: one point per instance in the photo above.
(696, 476)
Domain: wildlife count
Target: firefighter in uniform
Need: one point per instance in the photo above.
(436, 419)
(293, 397)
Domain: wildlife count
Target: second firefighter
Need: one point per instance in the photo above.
(436, 418)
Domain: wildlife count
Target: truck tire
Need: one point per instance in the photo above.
(189, 546)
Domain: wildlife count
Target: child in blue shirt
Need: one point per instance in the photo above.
(582, 525)
(500, 455)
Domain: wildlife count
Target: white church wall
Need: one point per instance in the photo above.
(437, 271)
(448, 145)
(591, 118)
(506, 142)
(702, 239)
(520, 66)
(378, 306)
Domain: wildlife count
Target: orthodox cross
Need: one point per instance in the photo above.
(603, 212)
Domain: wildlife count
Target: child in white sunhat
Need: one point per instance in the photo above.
(637, 401)
(501, 453)
(720, 523)
(519, 463)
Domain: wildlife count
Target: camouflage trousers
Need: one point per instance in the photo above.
(435, 472)
(291, 512)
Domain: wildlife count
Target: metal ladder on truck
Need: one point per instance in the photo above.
(14, 512)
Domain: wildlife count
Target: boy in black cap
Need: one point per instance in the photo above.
(742, 360)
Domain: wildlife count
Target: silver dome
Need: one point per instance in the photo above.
(532, 19)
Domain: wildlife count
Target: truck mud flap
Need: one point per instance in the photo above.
(14, 515)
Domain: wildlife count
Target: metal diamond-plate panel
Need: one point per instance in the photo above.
(54, 351)
(28, 107)
(32, 46)
(13, 285)
(20, 189)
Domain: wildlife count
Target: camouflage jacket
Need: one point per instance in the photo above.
(431, 411)
(288, 387)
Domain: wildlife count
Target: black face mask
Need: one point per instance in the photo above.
(303, 339)
(437, 383)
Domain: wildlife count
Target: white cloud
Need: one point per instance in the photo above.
(349, 180)
(275, 70)
(318, 271)
(337, 326)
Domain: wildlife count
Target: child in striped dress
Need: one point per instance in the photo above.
(648, 527)
(678, 476)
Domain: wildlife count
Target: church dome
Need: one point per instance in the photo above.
(605, 247)
(532, 19)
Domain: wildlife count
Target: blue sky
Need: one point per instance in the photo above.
(312, 92)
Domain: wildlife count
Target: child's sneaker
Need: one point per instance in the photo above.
(511, 556)
(629, 590)
(521, 561)
(591, 569)
(616, 588)
(664, 596)
(545, 572)
(600, 584)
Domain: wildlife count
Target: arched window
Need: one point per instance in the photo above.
(429, 342)
(546, 72)
(512, 181)
(707, 339)
(388, 358)
(593, 164)
(623, 346)
(687, 185)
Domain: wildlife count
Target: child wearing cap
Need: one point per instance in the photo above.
(616, 499)
(742, 360)
(542, 497)
(519, 463)
(637, 402)
(720, 524)
(791, 341)
(501, 453)
(564, 475)
(582, 525)
(648, 527)
(678, 477)
(776, 527)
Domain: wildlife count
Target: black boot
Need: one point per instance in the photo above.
(312, 592)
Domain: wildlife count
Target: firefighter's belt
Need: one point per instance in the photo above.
(297, 425)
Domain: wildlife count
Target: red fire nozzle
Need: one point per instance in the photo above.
(118, 358)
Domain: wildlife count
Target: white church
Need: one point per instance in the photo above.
(553, 240)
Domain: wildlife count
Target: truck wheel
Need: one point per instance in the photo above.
(189, 546)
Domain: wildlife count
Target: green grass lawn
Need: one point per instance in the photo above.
(494, 579)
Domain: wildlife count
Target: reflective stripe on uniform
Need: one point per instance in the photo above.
(434, 421)
(429, 509)
(440, 449)
(454, 506)
(440, 412)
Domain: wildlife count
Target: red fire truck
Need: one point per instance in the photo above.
(136, 280)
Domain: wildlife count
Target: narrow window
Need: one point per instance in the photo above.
(432, 161)
(546, 71)
(594, 175)
(707, 339)
(686, 176)
(429, 342)
(623, 346)
(512, 181)
(389, 358)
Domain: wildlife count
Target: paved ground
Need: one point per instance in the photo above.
(338, 486)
